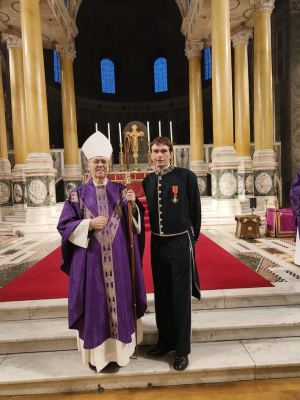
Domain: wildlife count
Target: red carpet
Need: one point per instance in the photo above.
(217, 270)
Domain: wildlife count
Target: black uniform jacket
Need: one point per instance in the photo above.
(174, 207)
(170, 215)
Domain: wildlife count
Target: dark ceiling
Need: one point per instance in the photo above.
(133, 33)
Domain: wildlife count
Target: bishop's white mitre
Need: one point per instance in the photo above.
(97, 145)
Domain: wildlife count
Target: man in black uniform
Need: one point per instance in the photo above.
(175, 218)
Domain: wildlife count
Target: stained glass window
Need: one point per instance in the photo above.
(207, 63)
(160, 75)
(108, 76)
(56, 65)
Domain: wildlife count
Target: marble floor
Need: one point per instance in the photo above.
(269, 257)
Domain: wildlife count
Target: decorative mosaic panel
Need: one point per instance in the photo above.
(40, 191)
(264, 183)
(224, 184)
(19, 192)
(5, 193)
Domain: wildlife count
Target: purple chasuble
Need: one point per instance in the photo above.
(295, 201)
(100, 291)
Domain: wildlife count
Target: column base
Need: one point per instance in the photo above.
(6, 198)
(19, 187)
(72, 178)
(40, 187)
(224, 173)
(200, 169)
(226, 208)
(245, 177)
(264, 169)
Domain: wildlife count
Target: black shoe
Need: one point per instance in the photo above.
(157, 351)
(180, 363)
(92, 367)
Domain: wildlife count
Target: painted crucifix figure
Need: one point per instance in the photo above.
(134, 134)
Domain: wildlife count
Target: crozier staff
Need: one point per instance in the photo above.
(95, 255)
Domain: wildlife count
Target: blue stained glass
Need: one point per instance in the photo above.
(160, 75)
(56, 65)
(207, 63)
(108, 76)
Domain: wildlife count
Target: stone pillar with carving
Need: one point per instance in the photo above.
(72, 175)
(5, 167)
(224, 166)
(14, 46)
(264, 164)
(193, 51)
(40, 174)
(242, 112)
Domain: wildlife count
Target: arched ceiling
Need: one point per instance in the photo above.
(59, 24)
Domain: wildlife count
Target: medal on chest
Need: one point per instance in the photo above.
(175, 191)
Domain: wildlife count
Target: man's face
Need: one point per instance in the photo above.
(161, 155)
(98, 167)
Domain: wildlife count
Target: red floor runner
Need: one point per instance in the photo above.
(217, 270)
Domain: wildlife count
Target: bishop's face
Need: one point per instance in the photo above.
(161, 155)
(98, 167)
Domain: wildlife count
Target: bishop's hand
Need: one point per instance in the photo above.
(130, 195)
(98, 223)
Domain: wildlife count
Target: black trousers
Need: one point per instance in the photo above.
(171, 270)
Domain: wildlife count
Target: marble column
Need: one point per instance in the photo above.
(40, 174)
(193, 51)
(5, 167)
(72, 175)
(14, 46)
(264, 164)
(224, 166)
(242, 112)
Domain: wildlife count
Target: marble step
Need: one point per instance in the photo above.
(62, 371)
(207, 326)
(282, 294)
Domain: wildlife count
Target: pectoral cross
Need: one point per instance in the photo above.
(135, 147)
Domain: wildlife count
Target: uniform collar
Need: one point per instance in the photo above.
(166, 170)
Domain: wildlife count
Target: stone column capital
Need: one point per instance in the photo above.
(12, 41)
(242, 36)
(193, 48)
(262, 5)
(66, 50)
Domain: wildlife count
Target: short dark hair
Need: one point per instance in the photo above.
(162, 140)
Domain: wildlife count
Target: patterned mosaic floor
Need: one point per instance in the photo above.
(271, 258)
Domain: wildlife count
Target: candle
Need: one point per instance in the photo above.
(120, 133)
(171, 132)
(159, 128)
(148, 130)
(108, 131)
(96, 126)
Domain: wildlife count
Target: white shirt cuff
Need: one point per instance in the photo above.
(80, 235)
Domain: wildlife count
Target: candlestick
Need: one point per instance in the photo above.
(148, 130)
(108, 131)
(110, 165)
(172, 160)
(120, 133)
(159, 128)
(149, 157)
(171, 132)
(121, 158)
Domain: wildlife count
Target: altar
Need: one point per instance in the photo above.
(136, 180)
